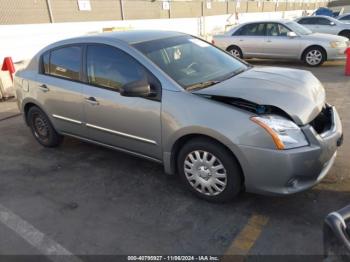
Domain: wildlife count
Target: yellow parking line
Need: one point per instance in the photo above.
(248, 236)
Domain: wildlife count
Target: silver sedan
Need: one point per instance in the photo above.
(281, 39)
(325, 24)
(221, 124)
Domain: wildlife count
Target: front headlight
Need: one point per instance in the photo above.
(285, 133)
(337, 44)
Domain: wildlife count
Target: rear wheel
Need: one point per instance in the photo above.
(235, 51)
(209, 170)
(314, 56)
(42, 128)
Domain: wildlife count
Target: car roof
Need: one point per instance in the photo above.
(268, 21)
(283, 21)
(133, 36)
(335, 20)
(323, 16)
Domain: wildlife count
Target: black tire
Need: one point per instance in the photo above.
(235, 51)
(233, 172)
(317, 50)
(345, 34)
(42, 129)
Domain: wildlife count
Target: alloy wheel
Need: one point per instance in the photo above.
(314, 57)
(235, 53)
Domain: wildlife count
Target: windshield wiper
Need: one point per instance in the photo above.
(214, 82)
(234, 73)
(202, 85)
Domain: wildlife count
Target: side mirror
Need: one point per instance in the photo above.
(136, 89)
(332, 23)
(292, 34)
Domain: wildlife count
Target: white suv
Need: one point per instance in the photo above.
(325, 24)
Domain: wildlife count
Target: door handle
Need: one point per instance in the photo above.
(269, 41)
(44, 88)
(92, 100)
(241, 40)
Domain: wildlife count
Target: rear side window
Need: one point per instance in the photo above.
(252, 30)
(111, 68)
(65, 62)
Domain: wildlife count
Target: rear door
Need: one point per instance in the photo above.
(250, 38)
(130, 123)
(59, 88)
(278, 44)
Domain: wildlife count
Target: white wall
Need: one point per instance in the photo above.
(23, 41)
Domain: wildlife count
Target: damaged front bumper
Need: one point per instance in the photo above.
(282, 172)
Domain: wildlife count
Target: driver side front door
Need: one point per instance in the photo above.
(128, 123)
(278, 44)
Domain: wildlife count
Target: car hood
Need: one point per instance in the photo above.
(297, 92)
(325, 37)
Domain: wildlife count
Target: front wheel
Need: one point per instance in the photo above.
(42, 128)
(314, 56)
(209, 170)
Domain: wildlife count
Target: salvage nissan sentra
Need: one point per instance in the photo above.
(221, 124)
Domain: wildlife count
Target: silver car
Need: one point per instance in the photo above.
(221, 124)
(282, 39)
(325, 24)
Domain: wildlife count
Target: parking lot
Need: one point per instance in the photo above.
(86, 199)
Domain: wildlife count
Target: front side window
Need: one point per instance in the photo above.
(191, 61)
(252, 30)
(323, 21)
(112, 68)
(307, 21)
(283, 31)
(66, 62)
(274, 29)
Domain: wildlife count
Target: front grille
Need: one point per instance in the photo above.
(323, 122)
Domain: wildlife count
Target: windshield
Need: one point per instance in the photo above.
(191, 62)
(297, 28)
